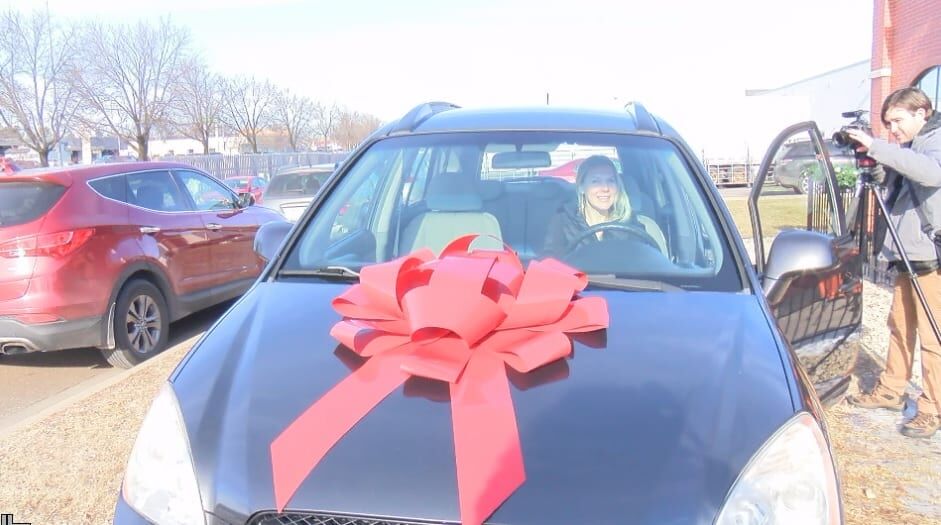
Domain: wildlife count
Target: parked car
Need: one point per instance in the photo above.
(7, 166)
(566, 171)
(255, 186)
(107, 256)
(699, 403)
(291, 191)
(110, 159)
(794, 167)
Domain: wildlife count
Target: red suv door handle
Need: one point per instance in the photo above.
(149, 229)
(214, 226)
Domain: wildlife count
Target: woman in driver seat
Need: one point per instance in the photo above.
(601, 199)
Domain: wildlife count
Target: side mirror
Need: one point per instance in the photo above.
(246, 200)
(795, 253)
(269, 237)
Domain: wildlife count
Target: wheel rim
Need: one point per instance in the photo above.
(143, 324)
(805, 185)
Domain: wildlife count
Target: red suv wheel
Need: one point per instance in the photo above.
(141, 325)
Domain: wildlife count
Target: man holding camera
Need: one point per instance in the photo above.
(913, 178)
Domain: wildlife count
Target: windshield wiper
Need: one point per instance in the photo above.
(330, 272)
(613, 282)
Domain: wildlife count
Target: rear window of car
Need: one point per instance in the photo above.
(237, 184)
(305, 184)
(22, 202)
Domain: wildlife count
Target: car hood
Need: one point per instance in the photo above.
(650, 421)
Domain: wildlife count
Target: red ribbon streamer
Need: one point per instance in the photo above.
(460, 318)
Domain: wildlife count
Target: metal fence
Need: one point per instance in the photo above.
(259, 164)
(874, 269)
(862, 215)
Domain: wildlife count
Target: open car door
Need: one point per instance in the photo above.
(819, 313)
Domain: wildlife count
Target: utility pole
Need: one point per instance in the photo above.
(547, 98)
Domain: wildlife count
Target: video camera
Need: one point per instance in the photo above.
(844, 140)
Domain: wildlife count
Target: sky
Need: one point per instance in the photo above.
(687, 61)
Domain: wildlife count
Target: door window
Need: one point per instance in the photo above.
(798, 189)
(111, 187)
(155, 190)
(207, 194)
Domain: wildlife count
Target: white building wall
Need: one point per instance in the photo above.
(750, 121)
(184, 146)
(832, 93)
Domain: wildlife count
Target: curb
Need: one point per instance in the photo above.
(87, 389)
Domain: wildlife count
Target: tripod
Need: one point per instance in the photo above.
(866, 182)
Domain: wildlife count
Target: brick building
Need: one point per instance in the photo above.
(906, 50)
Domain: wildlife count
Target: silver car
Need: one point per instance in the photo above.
(794, 165)
(291, 191)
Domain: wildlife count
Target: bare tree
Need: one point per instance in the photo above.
(197, 106)
(37, 96)
(249, 107)
(327, 117)
(345, 130)
(352, 127)
(295, 115)
(365, 125)
(129, 76)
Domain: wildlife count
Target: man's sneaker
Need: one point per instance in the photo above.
(922, 426)
(880, 397)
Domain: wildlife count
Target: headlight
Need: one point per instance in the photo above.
(790, 480)
(160, 482)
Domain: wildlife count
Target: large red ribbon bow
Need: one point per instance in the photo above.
(460, 318)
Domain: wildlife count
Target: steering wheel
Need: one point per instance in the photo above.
(637, 232)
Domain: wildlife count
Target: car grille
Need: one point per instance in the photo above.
(303, 518)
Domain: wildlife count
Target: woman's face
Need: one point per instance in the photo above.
(601, 188)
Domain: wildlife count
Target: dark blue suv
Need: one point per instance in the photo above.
(697, 400)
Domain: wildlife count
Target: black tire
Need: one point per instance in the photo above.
(141, 325)
(803, 186)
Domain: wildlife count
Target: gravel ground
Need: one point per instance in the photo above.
(67, 467)
(887, 477)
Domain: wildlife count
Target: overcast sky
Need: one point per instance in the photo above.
(688, 61)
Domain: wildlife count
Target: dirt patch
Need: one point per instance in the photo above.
(67, 468)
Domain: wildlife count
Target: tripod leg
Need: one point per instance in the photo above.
(908, 265)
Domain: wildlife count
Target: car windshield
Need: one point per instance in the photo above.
(650, 218)
(237, 184)
(305, 183)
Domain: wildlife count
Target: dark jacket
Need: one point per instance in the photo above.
(919, 163)
(566, 226)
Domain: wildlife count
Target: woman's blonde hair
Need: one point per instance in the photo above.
(621, 209)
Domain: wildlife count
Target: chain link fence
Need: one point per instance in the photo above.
(263, 165)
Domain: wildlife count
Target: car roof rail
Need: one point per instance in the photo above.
(642, 118)
(419, 114)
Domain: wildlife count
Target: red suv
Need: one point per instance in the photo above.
(108, 255)
(248, 184)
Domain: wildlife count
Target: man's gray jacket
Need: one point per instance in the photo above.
(920, 163)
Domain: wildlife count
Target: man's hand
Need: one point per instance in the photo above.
(862, 137)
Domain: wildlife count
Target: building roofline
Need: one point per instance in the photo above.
(756, 92)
